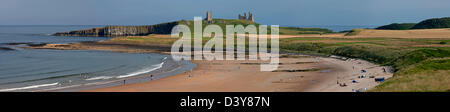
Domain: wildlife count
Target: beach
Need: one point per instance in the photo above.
(296, 73)
(320, 75)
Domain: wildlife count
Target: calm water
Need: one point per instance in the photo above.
(30, 70)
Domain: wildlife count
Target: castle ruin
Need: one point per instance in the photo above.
(250, 17)
(208, 17)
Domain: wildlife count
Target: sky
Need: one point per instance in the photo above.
(269, 12)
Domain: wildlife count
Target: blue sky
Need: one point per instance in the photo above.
(281, 12)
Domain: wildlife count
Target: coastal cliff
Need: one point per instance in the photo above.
(109, 31)
(163, 28)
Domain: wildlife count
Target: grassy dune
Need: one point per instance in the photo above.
(420, 64)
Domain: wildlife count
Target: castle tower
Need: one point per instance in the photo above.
(245, 16)
(208, 17)
(251, 17)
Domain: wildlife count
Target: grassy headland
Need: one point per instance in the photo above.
(426, 24)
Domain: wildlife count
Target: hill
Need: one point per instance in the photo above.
(397, 26)
(433, 23)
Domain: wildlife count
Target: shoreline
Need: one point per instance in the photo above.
(220, 76)
(170, 68)
(225, 76)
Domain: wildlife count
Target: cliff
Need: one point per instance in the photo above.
(109, 31)
(163, 28)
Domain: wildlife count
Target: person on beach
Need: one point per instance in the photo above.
(190, 73)
(151, 77)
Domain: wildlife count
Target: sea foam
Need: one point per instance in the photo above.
(146, 70)
(99, 77)
(29, 87)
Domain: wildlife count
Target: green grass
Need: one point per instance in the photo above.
(282, 30)
(144, 40)
(429, 75)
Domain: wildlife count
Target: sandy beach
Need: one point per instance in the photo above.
(319, 75)
(296, 73)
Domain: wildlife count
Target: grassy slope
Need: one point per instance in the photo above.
(397, 26)
(433, 23)
(283, 30)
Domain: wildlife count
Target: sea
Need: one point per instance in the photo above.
(23, 69)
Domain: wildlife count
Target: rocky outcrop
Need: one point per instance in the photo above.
(110, 31)
(6, 49)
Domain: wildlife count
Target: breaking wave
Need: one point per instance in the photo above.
(146, 70)
(29, 87)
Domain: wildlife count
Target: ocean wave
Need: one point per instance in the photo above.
(29, 87)
(100, 77)
(158, 66)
